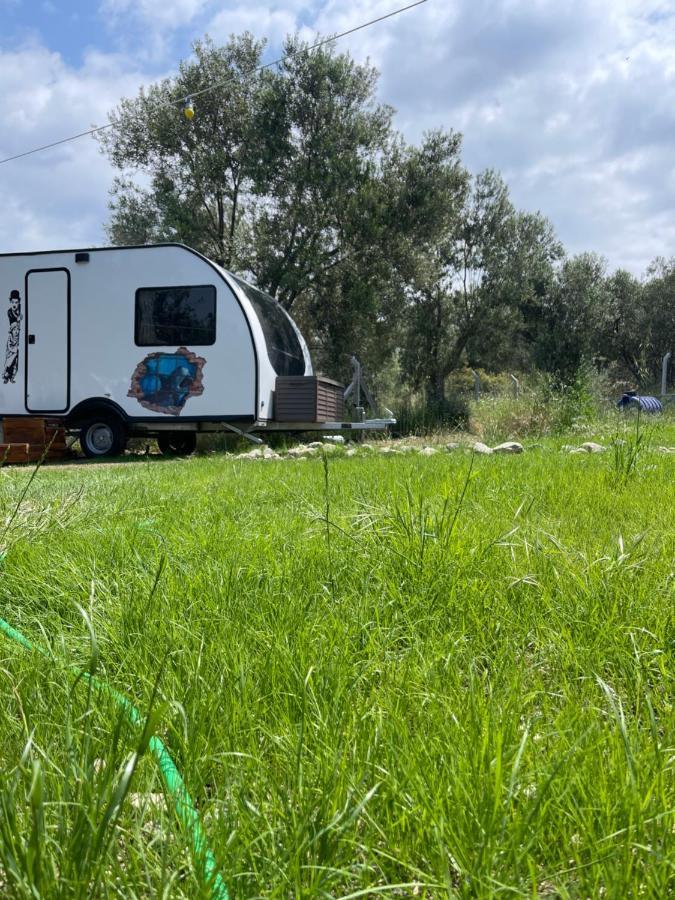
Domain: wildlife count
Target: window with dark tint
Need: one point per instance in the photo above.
(170, 316)
(283, 346)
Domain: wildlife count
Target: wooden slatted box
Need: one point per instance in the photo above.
(308, 398)
(26, 439)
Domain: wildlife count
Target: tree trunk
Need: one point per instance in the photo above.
(436, 390)
(459, 347)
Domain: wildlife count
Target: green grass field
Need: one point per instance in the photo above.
(402, 675)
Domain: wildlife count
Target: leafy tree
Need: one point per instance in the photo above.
(318, 138)
(319, 242)
(659, 314)
(488, 261)
(569, 317)
(623, 336)
(429, 184)
(198, 172)
(279, 176)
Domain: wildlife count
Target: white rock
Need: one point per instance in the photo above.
(334, 438)
(666, 449)
(453, 445)
(389, 450)
(479, 447)
(268, 453)
(315, 446)
(352, 451)
(256, 453)
(508, 447)
(428, 451)
(302, 450)
(140, 801)
(592, 447)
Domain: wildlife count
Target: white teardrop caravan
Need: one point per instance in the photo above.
(149, 340)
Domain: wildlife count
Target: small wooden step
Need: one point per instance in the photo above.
(14, 453)
(30, 439)
(29, 431)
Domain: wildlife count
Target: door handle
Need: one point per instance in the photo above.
(31, 338)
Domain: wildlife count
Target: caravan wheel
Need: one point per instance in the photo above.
(102, 436)
(177, 443)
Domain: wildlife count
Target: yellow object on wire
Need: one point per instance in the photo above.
(218, 84)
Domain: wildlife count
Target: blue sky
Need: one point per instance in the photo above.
(154, 33)
(59, 26)
(574, 102)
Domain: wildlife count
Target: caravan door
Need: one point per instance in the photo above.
(47, 340)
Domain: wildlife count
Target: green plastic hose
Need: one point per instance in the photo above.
(174, 786)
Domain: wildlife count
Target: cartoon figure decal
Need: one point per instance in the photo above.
(163, 382)
(12, 351)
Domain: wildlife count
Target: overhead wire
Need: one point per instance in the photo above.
(223, 82)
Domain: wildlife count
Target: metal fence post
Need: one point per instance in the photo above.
(476, 384)
(664, 374)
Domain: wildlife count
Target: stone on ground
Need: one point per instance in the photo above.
(479, 447)
(302, 450)
(592, 447)
(508, 447)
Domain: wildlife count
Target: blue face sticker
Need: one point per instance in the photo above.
(163, 382)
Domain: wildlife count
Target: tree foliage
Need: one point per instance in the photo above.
(295, 177)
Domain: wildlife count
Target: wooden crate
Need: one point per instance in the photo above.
(308, 398)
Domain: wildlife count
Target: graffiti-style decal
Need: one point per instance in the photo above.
(163, 382)
(12, 351)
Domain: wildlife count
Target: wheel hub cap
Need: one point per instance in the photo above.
(100, 438)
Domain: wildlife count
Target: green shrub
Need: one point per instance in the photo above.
(417, 417)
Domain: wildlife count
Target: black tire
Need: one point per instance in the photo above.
(177, 443)
(103, 435)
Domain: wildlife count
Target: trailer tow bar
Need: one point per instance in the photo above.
(244, 434)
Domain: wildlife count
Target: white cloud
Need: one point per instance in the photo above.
(574, 103)
(159, 15)
(56, 198)
(261, 20)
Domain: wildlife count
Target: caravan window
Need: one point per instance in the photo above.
(283, 346)
(171, 316)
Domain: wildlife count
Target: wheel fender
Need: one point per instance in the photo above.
(95, 406)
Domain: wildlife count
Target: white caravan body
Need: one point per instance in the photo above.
(159, 335)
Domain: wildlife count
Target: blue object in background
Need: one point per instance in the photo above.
(646, 404)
